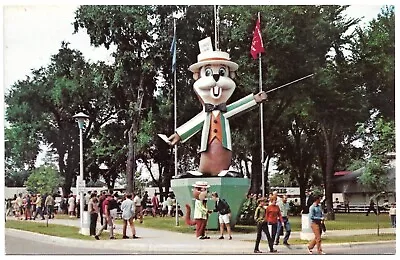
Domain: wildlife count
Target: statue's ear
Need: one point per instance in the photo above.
(232, 74)
(196, 75)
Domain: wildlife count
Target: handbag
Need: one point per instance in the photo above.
(323, 227)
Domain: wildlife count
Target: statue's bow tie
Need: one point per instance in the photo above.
(210, 107)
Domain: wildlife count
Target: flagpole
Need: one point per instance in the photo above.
(175, 146)
(261, 124)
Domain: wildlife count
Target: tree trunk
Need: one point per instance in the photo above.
(130, 162)
(329, 144)
(255, 170)
(132, 133)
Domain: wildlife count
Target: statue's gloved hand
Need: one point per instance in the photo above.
(175, 138)
(260, 97)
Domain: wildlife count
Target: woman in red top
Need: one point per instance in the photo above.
(272, 215)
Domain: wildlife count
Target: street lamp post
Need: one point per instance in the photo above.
(80, 118)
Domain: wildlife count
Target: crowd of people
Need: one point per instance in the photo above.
(29, 206)
(271, 217)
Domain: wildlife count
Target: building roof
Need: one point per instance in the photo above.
(349, 176)
(341, 173)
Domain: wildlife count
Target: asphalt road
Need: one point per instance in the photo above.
(32, 247)
(13, 246)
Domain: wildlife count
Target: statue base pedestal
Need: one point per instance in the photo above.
(306, 231)
(85, 226)
(233, 190)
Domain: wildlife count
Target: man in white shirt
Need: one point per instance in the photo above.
(128, 212)
(138, 207)
(284, 207)
(169, 204)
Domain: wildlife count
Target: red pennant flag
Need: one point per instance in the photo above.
(257, 43)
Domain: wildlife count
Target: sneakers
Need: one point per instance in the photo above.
(322, 253)
(125, 237)
(221, 237)
(97, 237)
(309, 250)
(256, 251)
(134, 237)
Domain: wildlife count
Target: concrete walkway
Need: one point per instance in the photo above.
(154, 241)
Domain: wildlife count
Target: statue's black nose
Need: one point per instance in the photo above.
(216, 77)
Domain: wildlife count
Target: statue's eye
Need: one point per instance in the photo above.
(209, 72)
(222, 71)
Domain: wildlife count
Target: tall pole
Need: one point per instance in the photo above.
(80, 183)
(261, 124)
(175, 146)
(81, 205)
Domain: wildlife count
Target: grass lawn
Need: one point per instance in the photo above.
(342, 222)
(348, 222)
(52, 229)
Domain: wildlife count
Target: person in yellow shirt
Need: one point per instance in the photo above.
(201, 212)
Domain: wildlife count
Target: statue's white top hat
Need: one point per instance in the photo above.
(208, 56)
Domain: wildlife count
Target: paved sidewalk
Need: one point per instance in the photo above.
(154, 241)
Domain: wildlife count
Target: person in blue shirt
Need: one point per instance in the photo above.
(316, 218)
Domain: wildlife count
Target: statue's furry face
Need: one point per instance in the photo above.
(214, 84)
(200, 193)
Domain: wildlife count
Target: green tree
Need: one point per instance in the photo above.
(46, 102)
(374, 54)
(45, 179)
(379, 139)
(138, 60)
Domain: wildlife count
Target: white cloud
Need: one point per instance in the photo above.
(33, 33)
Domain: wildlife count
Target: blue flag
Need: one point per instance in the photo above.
(173, 52)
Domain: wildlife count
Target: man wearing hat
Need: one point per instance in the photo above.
(200, 216)
(214, 73)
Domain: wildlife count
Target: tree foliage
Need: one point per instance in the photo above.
(44, 180)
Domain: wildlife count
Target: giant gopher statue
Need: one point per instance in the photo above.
(213, 74)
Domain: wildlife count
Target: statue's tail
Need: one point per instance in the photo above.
(188, 221)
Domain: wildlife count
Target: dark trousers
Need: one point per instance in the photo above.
(101, 218)
(393, 220)
(371, 208)
(288, 230)
(39, 210)
(260, 228)
(93, 222)
(200, 227)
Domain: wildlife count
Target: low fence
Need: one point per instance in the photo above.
(360, 208)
